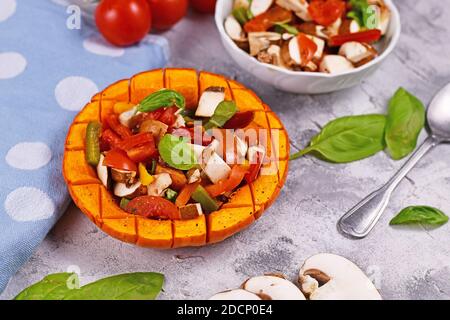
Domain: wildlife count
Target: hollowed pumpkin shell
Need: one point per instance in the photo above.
(247, 204)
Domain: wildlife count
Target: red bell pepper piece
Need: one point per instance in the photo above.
(136, 140)
(143, 153)
(113, 122)
(367, 36)
(168, 117)
(237, 174)
(267, 20)
(109, 140)
(118, 159)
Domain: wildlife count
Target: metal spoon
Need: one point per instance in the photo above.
(360, 220)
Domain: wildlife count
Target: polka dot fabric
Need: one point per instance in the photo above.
(48, 72)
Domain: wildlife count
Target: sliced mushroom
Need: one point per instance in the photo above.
(179, 121)
(260, 6)
(273, 288)
(236, 33)
(260, 41)
(125, 117)
(313, 29)
(193, 175)
(159, 185)
(237, 294)
(191, 211)
(213, 165)
(241, 147)
(331, 277)
(320, 43)
(122, 190)
(333, 29)
(356, 52)
(157, 128)
(209, 101)
(253, 151)
(349, 26)
(384, 15)
(300, 8)
(335, 64)
(123, 176)
(287, 36)
(102, 171)
(264, 57)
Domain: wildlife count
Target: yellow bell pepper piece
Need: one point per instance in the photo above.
(145, 177)
(120, 107)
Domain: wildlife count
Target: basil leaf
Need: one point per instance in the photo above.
(52, 287)
(129, 286)
(176, 152)
(405, 120)
(224, 112)
(160, 99)
(420, 214)
(289, 29)
(348, 139)
(363, 13)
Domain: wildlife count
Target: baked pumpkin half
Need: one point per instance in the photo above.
(174, 158)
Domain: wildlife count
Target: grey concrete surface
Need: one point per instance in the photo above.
(404, 262)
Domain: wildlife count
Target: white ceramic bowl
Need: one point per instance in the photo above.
(306, 82)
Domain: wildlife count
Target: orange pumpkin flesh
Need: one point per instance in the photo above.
(246, 204)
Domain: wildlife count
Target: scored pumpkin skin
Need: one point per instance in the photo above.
(246, 204)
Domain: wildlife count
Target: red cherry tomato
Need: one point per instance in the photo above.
(166, 13)
(325, 12)
(153, 207)
(118, 159)
(367, 36)
(240, 120)
(307, 48)
(204, 6)
(123, 23)
(168, 117)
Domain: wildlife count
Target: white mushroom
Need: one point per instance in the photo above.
(102, 171)
(159, 185)
(273, 288)
(216, 168)
(209, 101)
(335, 64)
(300, 7)
(259, 41)
(125, 117)
(333, 29)
(260, 6)
(241, 148)
(236, 33)
(331, 277)
(356, 51)
(121, 189)
(193, 175)
(287, 36)
(294, 51)
(123, 176)
(237, 294)
(384, 15)
(320, 43)
(179, 121)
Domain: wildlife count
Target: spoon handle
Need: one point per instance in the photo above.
(360, 220)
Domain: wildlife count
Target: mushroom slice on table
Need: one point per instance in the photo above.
(260, 41)
(273, 288)
(236, 33)
(300, 8)
(102, 171)
(209, 101)
(331, 277)
(260, 6)
(236, 294)
(335, 64)
(357, 52)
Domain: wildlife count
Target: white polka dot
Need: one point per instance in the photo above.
(11, 64)
(61, 2)
(28, 155)
(72, 93)
(29, 204)
(97, 45)
(7, 9)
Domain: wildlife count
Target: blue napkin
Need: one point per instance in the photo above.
(48, 70)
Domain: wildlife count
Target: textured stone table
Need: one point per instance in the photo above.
(406, 263)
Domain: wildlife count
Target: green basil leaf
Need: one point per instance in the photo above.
(420, 214)
(224, 112)
(176, 152)
(405, 120)
(160, 99)
(287, 27)
(52, 287)
(363, 13)
(129, 286)
(348, 139)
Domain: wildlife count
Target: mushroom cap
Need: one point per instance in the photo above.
(328, 276)
(273, 288)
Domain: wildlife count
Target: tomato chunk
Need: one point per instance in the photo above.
(168, 116)
(118, 159)
(325, 12)
(267, 20)
(153, 207)
(307, 48)
(109, 140)
(136, 140)
(367, 36)
(240, 120)
(253, 171)
(233, 181)
(143, 153)
(113, 122)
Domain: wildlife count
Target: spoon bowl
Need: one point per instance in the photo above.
(438, 114)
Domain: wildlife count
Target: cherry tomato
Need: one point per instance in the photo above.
(123, 23)
(168, 117)
(237, 174)
(204, 6)
(136, 140)
(307, 48)
(240, 120)
(166, 13)
(267, 20)
(367, 36)
(109, 140)
(143, 153)
(325, 12)
(113, 122)
(118, 159)
(153, 207)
